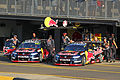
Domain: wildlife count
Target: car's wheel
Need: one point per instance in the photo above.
(40, 57)
(83, 61)
(11, 59)
(53, 60)
(100, 58)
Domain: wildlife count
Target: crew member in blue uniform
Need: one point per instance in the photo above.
(15, 40)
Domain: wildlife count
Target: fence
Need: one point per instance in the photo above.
(98, 9)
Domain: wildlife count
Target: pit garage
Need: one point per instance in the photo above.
(75, 29)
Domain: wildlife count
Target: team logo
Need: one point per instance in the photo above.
(50, 22)
(65, 23)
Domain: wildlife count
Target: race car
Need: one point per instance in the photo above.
(8, 48)
(97, 50)
(30, 51)
(74, 54)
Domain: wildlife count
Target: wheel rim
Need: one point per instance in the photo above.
(83, 61)
(41, 57)
(101, 58)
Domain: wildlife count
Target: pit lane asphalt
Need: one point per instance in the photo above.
(97, 71)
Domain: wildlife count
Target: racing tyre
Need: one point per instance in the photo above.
(83, 61)
(40, 57)
(100, 58)
(53, 61)
(9, 57)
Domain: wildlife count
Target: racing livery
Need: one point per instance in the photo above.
(74, 55)
(8, 48)
(30, 51)
(77, 54)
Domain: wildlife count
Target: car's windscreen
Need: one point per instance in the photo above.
(74, 48)
(29, 45)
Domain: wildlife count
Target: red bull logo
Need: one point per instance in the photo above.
(50, 22)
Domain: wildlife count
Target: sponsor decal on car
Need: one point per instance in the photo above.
(23, 56)
(64, 59)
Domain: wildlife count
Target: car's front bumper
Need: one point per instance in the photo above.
(68, 64)
(25, 59)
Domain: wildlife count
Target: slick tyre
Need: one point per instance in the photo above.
(40, 58)
(83, 61)
(9, 57)
(100, 58)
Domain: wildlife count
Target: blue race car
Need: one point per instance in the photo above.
(30, 51)
(75, 54)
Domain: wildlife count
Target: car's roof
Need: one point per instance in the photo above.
(80, 44)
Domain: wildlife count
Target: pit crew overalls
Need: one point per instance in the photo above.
(66, 41)
(112, 49)
(106, 50)
(50, 47)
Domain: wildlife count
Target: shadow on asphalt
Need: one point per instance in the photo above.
(4, 59)
(52, 64)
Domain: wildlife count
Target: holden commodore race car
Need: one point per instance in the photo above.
(30, 51)
(74, 54)
(8, 48)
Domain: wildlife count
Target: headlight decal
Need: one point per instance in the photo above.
(57, 56)
(14, 53)
(76, 56)
(34, 53)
